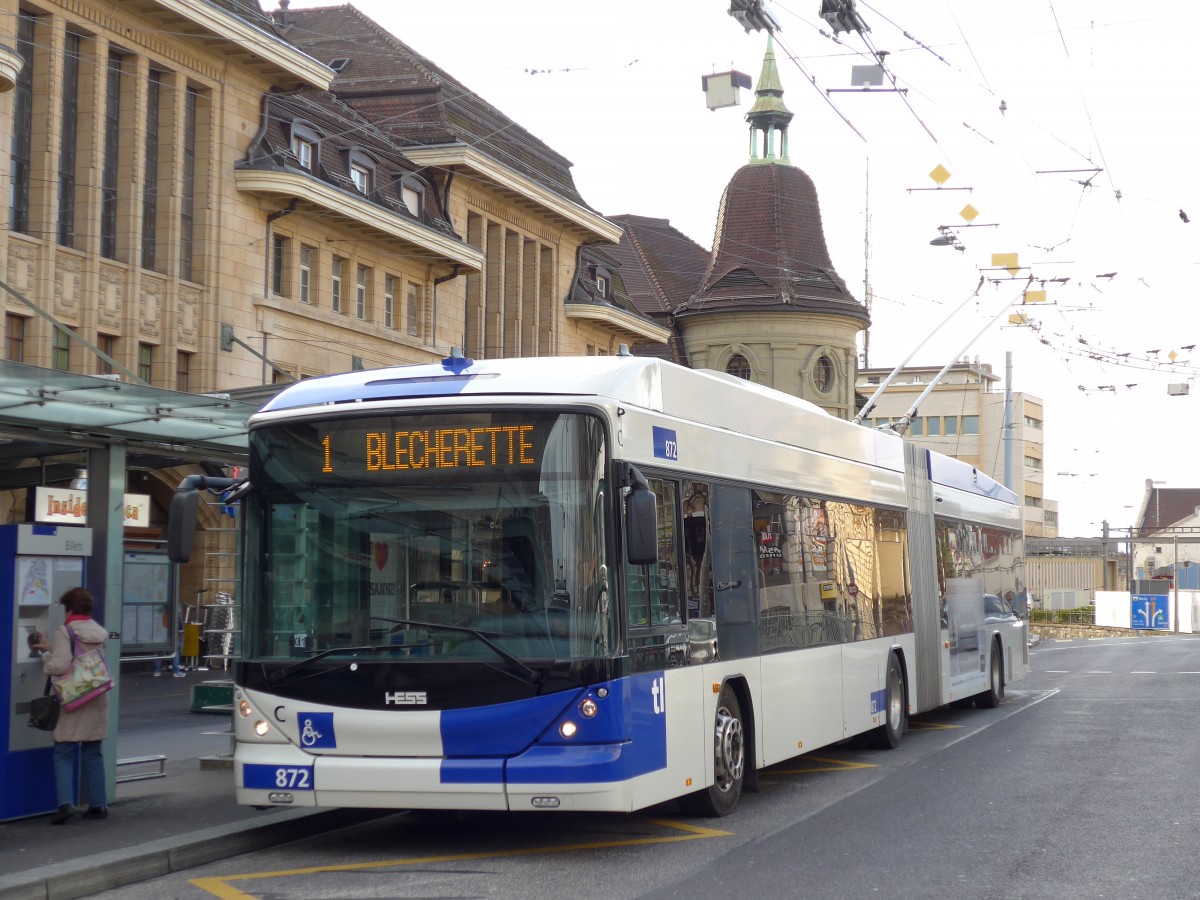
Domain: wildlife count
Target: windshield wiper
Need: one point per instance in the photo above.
(279, 676)
(530, 675)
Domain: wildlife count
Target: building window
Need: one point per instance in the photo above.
(112, 149)
(150, 174)
(951, 426)
(389, 301)
(413, 310)
(145, 362)
(279, 255)
(305, 152)
(14, 337)
(823, 375)
(1031, 422)
(335, 286)
(413, 199)
(60, 357)
(187, 200)
(21, 150)
(69, 141)
(970, 424)
(183, 371)
(108, 346)
(306, 266)
(363, 177)
(601, 286)
(1034, 502)
(916, 428)
(362, 283)
(1050, 518)
(872, 379)
(933, 426)
(1032, 462)
(738, 367)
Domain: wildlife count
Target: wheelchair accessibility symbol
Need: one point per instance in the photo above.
(316, 730)
(309, 736)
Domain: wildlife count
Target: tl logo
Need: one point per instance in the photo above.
(658, 692)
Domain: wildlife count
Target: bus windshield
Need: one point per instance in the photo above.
(434, 535)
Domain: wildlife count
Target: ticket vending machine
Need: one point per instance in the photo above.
(37, 563)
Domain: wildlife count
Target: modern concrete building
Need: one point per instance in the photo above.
(963, 417)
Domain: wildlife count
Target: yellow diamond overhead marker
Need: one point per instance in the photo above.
(1172, 356)
(969, 213)
(1007, 261)
(940, 174)
(1035, 296)
(1018, 319)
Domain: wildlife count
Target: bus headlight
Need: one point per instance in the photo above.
(588, 708)
(261, 728)
(244, 709)
(567, 729)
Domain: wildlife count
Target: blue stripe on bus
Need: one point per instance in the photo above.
(628, 737)
(878, 701)
(472, 771)
(502, 729)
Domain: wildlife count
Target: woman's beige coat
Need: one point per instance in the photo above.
(90, 721)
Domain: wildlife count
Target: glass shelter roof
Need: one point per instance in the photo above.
(45, 411)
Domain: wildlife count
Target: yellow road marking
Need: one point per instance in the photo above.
(831, 765)
(219, 886)
(931, 726)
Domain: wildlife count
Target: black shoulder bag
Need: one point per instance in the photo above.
(43, 710)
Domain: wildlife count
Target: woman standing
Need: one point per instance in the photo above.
(86, 726)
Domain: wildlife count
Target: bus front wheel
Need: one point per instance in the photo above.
(729, 762)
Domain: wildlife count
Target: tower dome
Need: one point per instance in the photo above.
(770, 306)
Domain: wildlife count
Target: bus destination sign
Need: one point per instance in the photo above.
(480, 449)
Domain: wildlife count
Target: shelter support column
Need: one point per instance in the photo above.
(105, 576)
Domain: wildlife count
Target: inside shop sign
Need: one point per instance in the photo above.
(69, 506)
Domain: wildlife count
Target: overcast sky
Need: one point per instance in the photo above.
(616, 88)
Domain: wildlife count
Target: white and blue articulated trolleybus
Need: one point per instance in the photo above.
(593, 583)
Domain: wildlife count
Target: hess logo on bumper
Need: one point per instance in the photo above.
(404, 698)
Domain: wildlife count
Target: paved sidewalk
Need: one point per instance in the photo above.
(154, 826)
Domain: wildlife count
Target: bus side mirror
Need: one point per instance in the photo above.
(181, 525)
(641, 527)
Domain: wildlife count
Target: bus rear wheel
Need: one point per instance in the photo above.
(991, 698)
(888, 735)
(729, 762)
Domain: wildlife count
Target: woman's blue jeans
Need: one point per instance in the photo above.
(93, 772)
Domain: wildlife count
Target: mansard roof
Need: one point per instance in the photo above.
(339, 129)
(660, 265)
(415, 101)
(770, 250)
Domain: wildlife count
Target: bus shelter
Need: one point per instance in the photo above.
(57, 426)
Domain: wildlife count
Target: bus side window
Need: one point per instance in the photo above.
(696, 548)
(652, 592)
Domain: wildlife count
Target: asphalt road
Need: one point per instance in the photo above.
(1082, 784)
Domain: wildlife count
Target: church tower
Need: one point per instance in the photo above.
(770, 307)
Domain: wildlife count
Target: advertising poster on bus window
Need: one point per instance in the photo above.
(964, 618)
(385, 578)
(816, 536)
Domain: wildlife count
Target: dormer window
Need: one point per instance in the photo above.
(305, 142)
(305, 152)
(362, 176)
(412, 200)
(602, 286)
